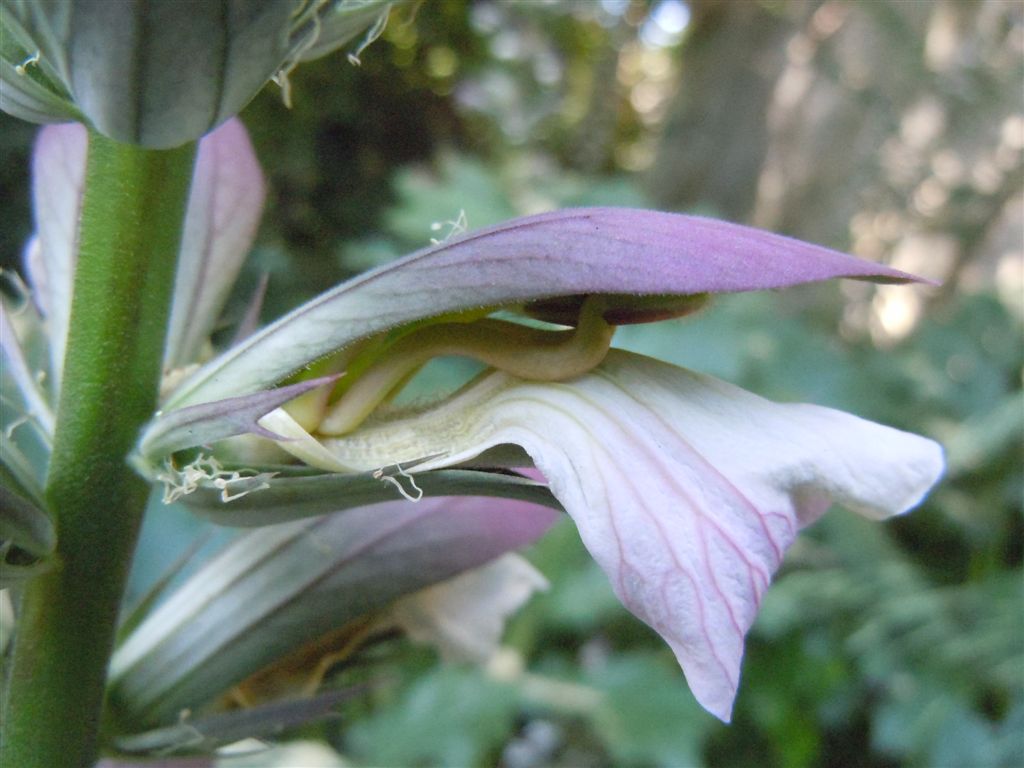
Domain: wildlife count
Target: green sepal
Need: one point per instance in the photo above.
(296, 493)
(205, 734)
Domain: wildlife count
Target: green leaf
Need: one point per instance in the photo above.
(648, 716)
(987, 434)
(451, 716)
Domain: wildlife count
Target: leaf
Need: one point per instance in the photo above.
(645, 718)
(451, 716)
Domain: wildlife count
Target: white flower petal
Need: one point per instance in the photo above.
(465, 616)
(686, 490)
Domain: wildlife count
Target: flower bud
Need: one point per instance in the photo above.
(165, 72)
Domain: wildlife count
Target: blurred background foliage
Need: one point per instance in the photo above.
(891, 129)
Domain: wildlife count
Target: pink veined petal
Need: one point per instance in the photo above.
(224, 208)
(686, 490)
(564, 253)
(58, 177)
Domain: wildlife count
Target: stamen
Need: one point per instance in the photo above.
(527, 353)
(369, 38)
(379, 475)
(281, 77)
(182, 482)
(456, 226)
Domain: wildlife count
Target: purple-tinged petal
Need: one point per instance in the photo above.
(280, 587)
(251, 319)
(224, 207)
(686, 490)
(566, 253)
(58, 177)
(208, 422)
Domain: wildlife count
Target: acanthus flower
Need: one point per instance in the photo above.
(686, 490)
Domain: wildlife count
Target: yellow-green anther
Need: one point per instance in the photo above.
(528, 353)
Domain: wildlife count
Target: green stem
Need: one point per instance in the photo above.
(128, 243)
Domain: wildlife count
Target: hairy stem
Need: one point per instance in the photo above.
(129, 237)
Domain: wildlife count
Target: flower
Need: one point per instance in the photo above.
(686, 490)
(163, 73)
